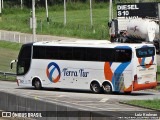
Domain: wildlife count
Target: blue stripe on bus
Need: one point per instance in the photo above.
(118, 72)
(124, 47)
(143, 62)
(51, 73)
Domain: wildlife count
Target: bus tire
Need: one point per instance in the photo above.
(95, 87)
(107, 88)
(37, 84)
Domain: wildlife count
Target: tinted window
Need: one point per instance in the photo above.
(65, 53)
(82, 53)
(93, 54)
(145, 52)
(52, 53)
(39, 52)
(24, 60)
(107, 54)
(79, 53)
(123, 55)
(25, 52)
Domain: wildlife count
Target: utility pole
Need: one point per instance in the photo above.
(110, 10)
(0, 9)
(91, 13)
(159, 24)
(21, 4)
(2, 4)
(65, 21)
(47, 11)
(110, 16)
(33, 21)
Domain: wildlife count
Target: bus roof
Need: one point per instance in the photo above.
(88, 43)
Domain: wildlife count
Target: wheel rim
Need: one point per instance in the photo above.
(107, 88)
(37, 84)
(95, 88)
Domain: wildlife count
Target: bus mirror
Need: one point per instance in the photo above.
(11, 64)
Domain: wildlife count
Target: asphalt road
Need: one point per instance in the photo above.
(81, 99)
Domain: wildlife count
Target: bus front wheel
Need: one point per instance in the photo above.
(107, 88)
(37, 84)
(95, 87)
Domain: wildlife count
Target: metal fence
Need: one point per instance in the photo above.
(25, 37)
(5, 75)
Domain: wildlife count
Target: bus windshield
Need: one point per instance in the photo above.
(24, 60)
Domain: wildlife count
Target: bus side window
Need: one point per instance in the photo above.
(123, 55)
(39, 52)
(93, 54)
(107, 54)
(52, 52)
(79, 53)
(65, 53)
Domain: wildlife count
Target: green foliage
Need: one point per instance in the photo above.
(10, 45)
(154, 104)
(76, 26)
(78, 21)
(41, 3)
(17, 11)
(8, 52)
(8, 78)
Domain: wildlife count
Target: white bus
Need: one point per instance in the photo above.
(95, 65)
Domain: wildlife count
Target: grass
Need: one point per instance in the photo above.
(8, 52)
(153, 104)
(78, 21)
(8, 78)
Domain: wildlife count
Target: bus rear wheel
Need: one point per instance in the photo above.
(107, 88)
(37, 84)
(95, 87)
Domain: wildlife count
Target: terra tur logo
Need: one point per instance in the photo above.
(144, 64)
(53, 72)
